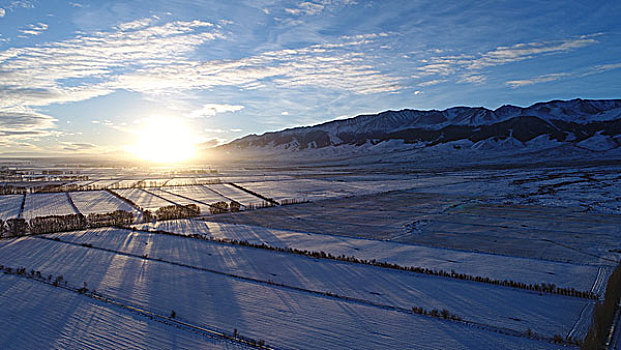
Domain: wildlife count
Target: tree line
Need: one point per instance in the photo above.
(61, 223)
(604, 313)
(536, 287)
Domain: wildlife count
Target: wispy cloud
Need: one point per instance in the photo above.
(210, 110)
(331, 65)
(520, 52)
(316, 7)
(24, 123)
(77, 146)
(470, 68)
(581, 73)
(34, 29)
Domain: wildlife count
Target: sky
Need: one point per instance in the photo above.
(88, 77)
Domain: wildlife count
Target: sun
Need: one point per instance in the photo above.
(164, 140)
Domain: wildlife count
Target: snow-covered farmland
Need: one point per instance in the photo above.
(98, 202)
(303, 320)
(317, 189)
(9, 206)
(198, 192)
(487, 304)
(578, 276)
(181, 200)
(143, 198)
(44, 204)
(40, 316)
(235, 194)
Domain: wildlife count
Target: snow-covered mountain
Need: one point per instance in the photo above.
(589, 125)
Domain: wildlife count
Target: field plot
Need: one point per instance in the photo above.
(197, 192)
(40, 316)
(456, 222)
(102, 184)
(562, 234)
(98, 202)
(9, 206)
(181, 200)
(143, 198)
(487, 304)
(236, 194)
(578, 276)
(304, 320)
(317, 189)
(44, 204)
(182, 181)
(371, 216)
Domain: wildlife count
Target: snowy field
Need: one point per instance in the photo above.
(98, 202)
(578, 276)
(43, 204)
(9, 206)
(487, 304)
(559, 226)
(41, 316)
(235, 194)
(143, 198)
(304, 320)
(199, 193)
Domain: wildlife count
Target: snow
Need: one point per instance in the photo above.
(39, 316)
(98, 202)
(44, 204)
(303, 320)
(578, 276)
(492, 305)
(143, 198)
(599, 142)
(9, 206)
(235, 194)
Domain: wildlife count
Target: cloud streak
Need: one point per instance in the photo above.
(597, 69)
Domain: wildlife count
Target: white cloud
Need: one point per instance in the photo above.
(539, 79)
(519, 52)
(77, 146)
(24, 123)
(210, 110)
(327, 66)
(469, 67)
(581, 73)
(37, 75)
(432, 82)
(476, 79)
(284, 113)
(34, 29)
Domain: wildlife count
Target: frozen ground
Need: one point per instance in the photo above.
(490, 305)
(556, 225)
(89, 202)
(527, 270)
(144, 199)
(40, 316)
(303, 320)
(43, 204)
(9, 206)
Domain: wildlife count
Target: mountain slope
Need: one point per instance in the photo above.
(590, 125)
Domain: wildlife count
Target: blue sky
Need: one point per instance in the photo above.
(86, 76)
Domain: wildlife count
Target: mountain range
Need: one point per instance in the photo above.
(582, 126)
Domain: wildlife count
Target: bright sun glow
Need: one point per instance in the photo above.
(164, 140)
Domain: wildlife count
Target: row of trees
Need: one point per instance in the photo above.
(604, 313)
(61, 223)
(177, 212)
(224, 207)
